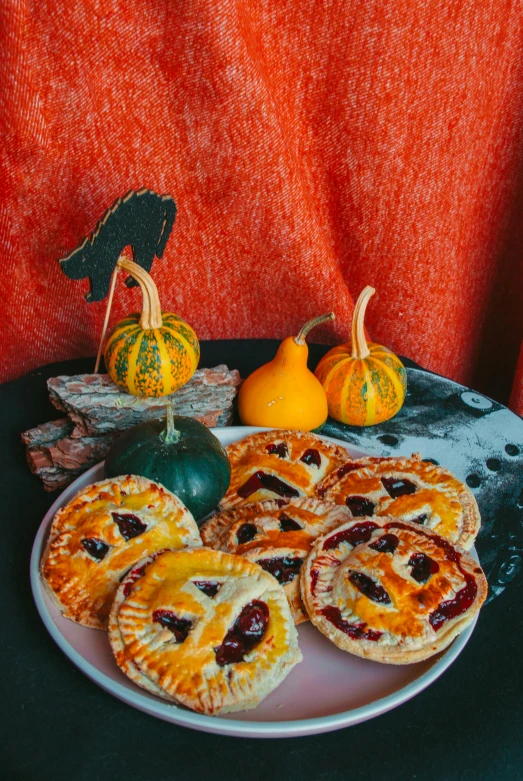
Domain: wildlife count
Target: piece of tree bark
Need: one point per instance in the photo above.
(97, 406)
(69, 453)
(98, 411)
(54, 478)
(48, 432)
(57, 457)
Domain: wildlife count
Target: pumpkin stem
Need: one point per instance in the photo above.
(170, 434)
(151, 310)
(300, 339)
(360, 347)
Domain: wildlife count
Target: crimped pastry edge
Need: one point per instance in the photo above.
(471, 520)
(86, 618)
(214, 529)
(290, 658)
(236, 449)
(368, 649)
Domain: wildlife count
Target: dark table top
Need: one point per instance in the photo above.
(59, 725)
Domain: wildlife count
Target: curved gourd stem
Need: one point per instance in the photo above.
(300, 339)
(360, 348)
(170, 434)
(151, 310)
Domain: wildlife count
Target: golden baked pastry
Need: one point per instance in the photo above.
(203, 628)
(277, 535)
(279, 464)
(408, 488)
(97, 537)
(390, 590)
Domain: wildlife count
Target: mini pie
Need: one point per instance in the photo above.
(97, 537)
(390, 590)
(277, 536)
(205, 629)
(279, 464)
(407, 488)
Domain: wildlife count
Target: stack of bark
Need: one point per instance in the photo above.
(97, 411)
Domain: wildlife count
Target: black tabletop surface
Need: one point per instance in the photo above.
(58, 725)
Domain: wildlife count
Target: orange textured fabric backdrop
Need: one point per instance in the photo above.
(312, 148)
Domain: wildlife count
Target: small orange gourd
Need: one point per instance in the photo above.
(284, 393)
(364, 382)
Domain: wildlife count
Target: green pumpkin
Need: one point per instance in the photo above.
(181, 454)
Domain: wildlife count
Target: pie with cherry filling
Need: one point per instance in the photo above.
(277, 535)
(97, 537)
(407, 488)
(390, 590)
(279, 464)
(203, 628)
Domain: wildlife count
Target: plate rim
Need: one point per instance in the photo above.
(215, 724)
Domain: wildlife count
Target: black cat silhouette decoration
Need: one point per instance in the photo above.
(142, 219)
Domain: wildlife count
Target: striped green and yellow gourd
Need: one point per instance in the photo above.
(365, 383)
(152, 353)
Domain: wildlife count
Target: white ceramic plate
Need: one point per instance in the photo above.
(328, 690)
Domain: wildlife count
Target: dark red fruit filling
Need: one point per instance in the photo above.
(355, 631)
(248, 630)
(129, 525)
(180, 627)
(351, 467)
(455, 607)
(284, 569)
(423, 567)
(208, 587)
(246, 533)
(231, 651)
(369, 588)
(346, 468)
(360, 532)
(311, 457)
(420, 519)
(135, 575)
(397, 487)
(252, 621)
(387, 543)
(270, 482)
(359, 505)
(95, 548)
(450, 552)
(288, 524)
(279, 450)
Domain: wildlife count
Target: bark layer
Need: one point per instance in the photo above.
(97, 411)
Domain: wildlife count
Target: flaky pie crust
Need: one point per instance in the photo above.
(187, 672)
(82, 587)
(450, 506)
(314, 516)
(399, 632)
(249, 455)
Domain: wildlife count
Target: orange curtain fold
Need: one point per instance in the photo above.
(312, 148)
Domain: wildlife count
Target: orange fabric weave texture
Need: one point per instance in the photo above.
(312, 148)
